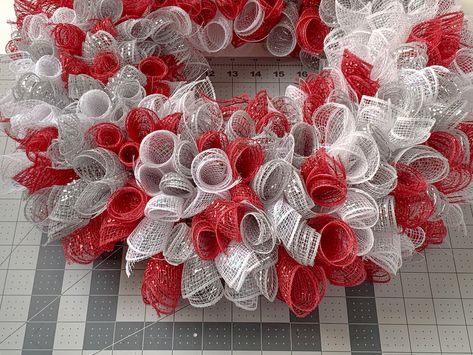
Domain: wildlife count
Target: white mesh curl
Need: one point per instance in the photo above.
(236, 264)
(148, 239)
(212, 172)
(164, 208)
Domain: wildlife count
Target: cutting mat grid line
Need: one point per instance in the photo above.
(50, 307)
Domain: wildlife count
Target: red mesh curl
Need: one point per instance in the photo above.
(107, 135)
(24, 8)
(72, 65)
(155, 70)
(458, 179)
(139, 123)
(230, 9)
(41, 174)
(258, 107)
(325, 179)
(442, 35)
(135, 8)
(175, 70)
(36, 141)
(204, 238)
(106, 25)
(435, 233)
(68, 38)
(225, 217)
(338, 244)
(243, 192)
(357, 73)
(246, 156)
(83, 245)
(161, 285)
(347, 276)
(170, 122)
(448, 145)
(375, 273)
(318, 88)
(300, 287)
(311, 31)
(129, 153)
(113, 230)
(275, 121)
(413, 205)
(127, 204)
(104, 66)
(212, 139)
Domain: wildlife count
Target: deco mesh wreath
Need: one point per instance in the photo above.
(122, 139)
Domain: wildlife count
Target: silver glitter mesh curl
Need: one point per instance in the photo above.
(365, 240)
(215, 35)
(250, 19)
(212, 172)
(247, 297)
(11, 165)
(179, 245)
(93, 200)
(201, 283)
(100, 41)
(286, 221)
(236, 264)
(31, 87)
(199, 201)
(49, 68)
(158, 148)
(333, 121)
(148, 178)
(135, 29)
(99, 165)
(207, 117)
(95, 104)
(360, 210)
(267, 280)
(306, 142)
(386, 251)
(297, 196)
(281, 40)
(165, 208)
(305, 245)
(147, 239)
(387, 216)
(78, 85)
(257, 231)
(271, 180)
(175, 184)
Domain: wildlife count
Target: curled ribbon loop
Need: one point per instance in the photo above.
(247, 298)
(157, 150)
(179, 245)
(203, 288)
(164, 207)
(297, 197)
(212, 172)
(271, 179)
(146, 240)
(301, 287)
(236, 265)
(325, 179)
(257, 231)
(161, 285)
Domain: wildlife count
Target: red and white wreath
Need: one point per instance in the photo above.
(356, 168)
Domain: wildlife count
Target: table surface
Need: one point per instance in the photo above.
(47, 306)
